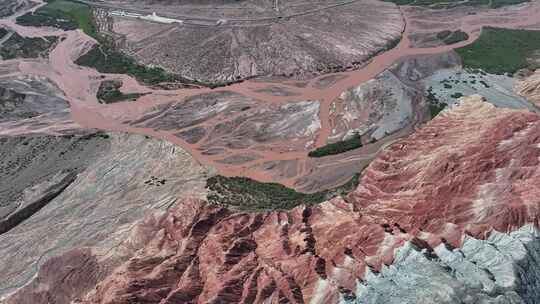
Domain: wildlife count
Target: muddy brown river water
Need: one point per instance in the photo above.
(79, 85)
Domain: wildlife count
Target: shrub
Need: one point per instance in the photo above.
(246, 194)
(339, 147)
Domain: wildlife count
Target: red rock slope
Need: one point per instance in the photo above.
(470, 170)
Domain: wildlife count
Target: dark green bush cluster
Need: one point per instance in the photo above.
(339, 147)
(109, 92)
(245, 194)
(435, 106)
(107, 60)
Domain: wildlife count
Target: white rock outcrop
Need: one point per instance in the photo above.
(504, 268)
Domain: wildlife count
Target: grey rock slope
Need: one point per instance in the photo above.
(35, 169)
(320, 41)
(98, 189)
(389, 105)
(9, 7)
(504, 268)
(33, 104)
(28, 97)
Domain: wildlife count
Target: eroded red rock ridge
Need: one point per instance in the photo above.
(469, 171)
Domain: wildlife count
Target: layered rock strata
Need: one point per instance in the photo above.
(446, 197)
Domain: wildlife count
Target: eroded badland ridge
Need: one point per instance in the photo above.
(269, 152)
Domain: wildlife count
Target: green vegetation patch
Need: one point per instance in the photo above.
(63, 14)
(452, 37)
(435, 106)
(17, 46)
(338, 147)
(107, 60)
(500, 51)
(241, 193)
(109, 92)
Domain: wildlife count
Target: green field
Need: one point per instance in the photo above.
(337, 148)
(500, 51)
(63, 14)
(241, 193)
